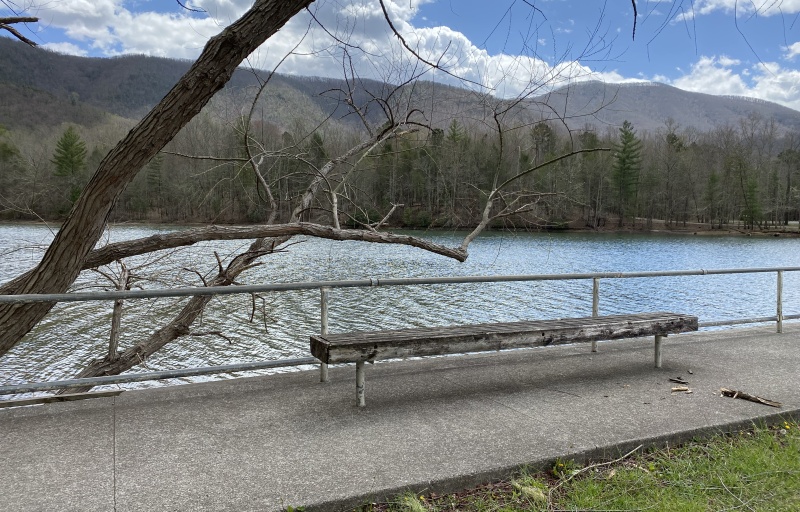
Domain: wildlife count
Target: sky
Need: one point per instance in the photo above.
(506, 47)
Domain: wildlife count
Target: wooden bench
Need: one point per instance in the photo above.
(361, 347)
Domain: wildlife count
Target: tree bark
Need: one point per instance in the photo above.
(64, 259)
(181, 324)
(5, 24)
(161, 242)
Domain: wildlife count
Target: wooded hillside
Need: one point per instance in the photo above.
(700, 158)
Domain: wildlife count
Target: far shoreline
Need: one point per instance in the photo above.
(659, 228)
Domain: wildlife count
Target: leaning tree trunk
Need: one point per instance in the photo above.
(63, 260)
(114, 364)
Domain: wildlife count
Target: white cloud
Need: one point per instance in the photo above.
(742, 8)
(710, 75)
(769, 8)
(109, 27)
(727, 62)
(66, 48)
(792, 51)
(767, 81)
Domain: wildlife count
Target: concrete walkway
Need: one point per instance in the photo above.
(441, 424)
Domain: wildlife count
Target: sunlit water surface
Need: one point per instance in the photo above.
(75, 333)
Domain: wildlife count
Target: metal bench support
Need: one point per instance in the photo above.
(658, 349)
(323, 308)
(369, 346)
(360, 384)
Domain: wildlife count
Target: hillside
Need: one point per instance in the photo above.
(648, 105)
(42, 87)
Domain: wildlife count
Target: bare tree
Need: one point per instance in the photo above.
(72, 249)
(63, 260)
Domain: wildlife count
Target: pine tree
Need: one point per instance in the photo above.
(627, 165)
(70, 155)
(70, 161)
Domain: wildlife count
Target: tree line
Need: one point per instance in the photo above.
(743, 176)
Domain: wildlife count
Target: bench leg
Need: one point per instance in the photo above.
(323, 372)
(360, 384)
(658, 349)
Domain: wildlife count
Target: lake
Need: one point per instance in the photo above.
(75, 333)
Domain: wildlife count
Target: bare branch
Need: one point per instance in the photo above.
(208, 157)
(212, 333)
(189, 8)
(434, 65)
(549, 162)
(118, 250)
(63, 260)
(201, 276)
(386, 218)
(5, 24)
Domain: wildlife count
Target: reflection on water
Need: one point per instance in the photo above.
(277, 325)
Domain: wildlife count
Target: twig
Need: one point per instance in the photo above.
(219, 263)
(205, 283)
(214, 333)
(752, 398)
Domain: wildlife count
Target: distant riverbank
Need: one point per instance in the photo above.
(655, 227)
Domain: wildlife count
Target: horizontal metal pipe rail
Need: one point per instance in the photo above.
(363, 283)
(740, 321)
(143, 377)
(325, 287)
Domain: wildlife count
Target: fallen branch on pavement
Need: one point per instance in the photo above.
(752, 398)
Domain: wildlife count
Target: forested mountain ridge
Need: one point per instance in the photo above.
(648, 105)
(129, 86)
(666, 154)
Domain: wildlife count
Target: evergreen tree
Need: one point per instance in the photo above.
(70, 161)
(751, 215)
(625, 172)
(70, 155)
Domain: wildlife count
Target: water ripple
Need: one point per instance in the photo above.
(278, 325)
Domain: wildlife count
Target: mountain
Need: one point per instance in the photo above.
(648, 105)
(40, 87)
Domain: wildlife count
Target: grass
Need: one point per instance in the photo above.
(757, 470)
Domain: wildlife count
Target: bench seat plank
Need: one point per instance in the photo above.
(427, 341)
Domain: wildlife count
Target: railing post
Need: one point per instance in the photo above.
(659, 337)
(323, 310)
(595, 304)
(360, 400)
(780, 301)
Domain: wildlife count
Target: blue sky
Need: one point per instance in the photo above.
(744, 47)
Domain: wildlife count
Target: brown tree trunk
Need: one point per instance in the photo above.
(181, 324)
(63, 260)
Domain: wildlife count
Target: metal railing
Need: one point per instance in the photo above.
(325, 286)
